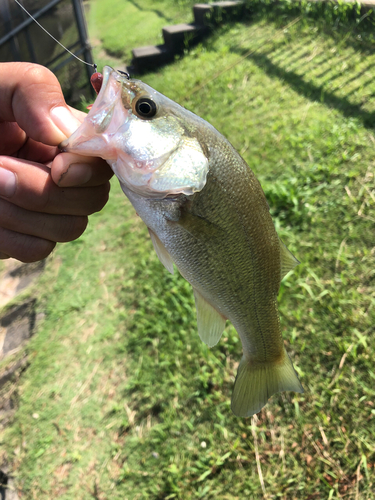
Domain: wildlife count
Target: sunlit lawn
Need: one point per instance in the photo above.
(127, 401)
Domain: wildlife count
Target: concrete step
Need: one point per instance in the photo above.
(180, 36)
(213, 13)
(151, 56)
(202, 13)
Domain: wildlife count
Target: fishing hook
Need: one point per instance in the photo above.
(124, 73)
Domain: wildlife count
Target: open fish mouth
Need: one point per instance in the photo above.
(91, 137)
(130, 125)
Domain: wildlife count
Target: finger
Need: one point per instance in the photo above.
(70, 170)
(24, 247)
(12, 138)
(38, 152)
(29, 185)
(15, 143)
(79, 115)
(31, 96)
(46, 226)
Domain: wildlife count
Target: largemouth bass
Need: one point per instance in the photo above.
(207, 214)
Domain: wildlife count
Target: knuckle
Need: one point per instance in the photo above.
(35, 74)
(43, 202)
(35, 94)
(7, 210)
(46, 197)
(40, 81)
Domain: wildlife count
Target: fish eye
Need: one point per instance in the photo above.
(145, 107)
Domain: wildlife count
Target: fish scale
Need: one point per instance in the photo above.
(207, 214)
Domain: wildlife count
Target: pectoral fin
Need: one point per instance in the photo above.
(199, 227)
(288, 261)
(161, 252)
(211, 323)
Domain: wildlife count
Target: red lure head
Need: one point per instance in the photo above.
(96, 81)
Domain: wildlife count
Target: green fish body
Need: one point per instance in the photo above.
(206, 213)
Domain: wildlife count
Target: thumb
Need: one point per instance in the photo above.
(31, 96)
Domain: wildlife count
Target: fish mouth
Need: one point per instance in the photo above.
(151, 157)
(112, 102)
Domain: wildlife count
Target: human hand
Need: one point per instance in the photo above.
(42, 199)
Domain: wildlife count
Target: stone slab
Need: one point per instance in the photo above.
(179, 36)
(210, 14)
(150, 56)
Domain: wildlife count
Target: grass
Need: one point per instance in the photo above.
(116, 30)
(122, 400)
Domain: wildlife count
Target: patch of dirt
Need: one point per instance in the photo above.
(17, 325)
(7, 487)
(16, 277)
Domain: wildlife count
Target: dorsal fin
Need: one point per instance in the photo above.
(211, 323)
(161, 252)
(288, 261)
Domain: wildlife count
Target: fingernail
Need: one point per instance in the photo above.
(64, 120)
(76, 174)
(7, 183)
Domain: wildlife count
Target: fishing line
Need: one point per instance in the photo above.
(53, 38)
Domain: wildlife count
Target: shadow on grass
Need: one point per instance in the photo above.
(158, 12)
(316, 92)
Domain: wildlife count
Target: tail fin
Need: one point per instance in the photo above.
(257, 382)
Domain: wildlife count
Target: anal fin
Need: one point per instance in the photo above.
(211, 323)
(161, 252)
(288, 261)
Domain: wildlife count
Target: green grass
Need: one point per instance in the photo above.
(122, 400)
(123, 26)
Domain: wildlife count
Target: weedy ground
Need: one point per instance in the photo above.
(121, 399)
(115, 29)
